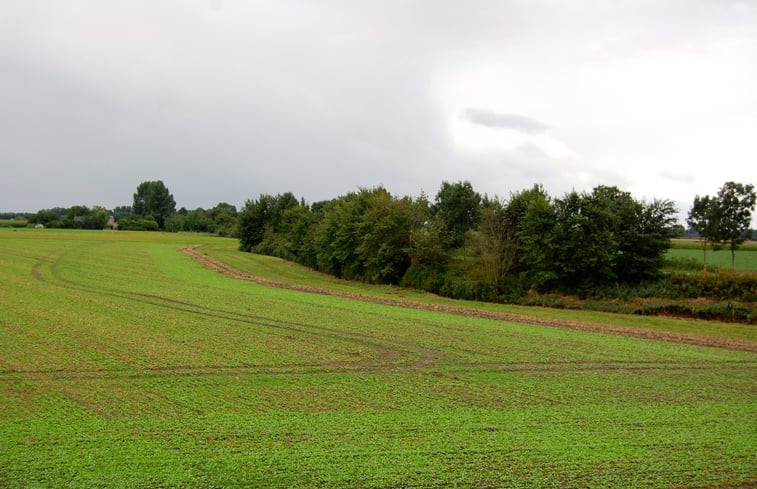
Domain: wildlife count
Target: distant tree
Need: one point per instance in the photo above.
(252, 221)
(137, 223)
(98, 218)
(587, 241)
(736, 202)
(645, 237)
(386, 226)
(704, 218)
(225, 219)
(339, 234)
(258, 215)
(427, 249)
(152, 200)
(222, 208)
(196, 221)
(537, 235)
(459, 208)
(294, 228)
(678, 231)
(121, 211)
(44, 217)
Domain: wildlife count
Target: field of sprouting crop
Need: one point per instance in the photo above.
(126, 363)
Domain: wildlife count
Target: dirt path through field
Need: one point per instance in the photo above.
(689, 338)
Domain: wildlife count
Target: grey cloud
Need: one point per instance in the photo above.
(508, 121)
(224, 100)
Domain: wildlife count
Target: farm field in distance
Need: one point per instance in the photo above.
(746, 254)
(126, 363)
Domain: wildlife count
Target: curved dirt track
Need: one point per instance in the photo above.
(688, 338)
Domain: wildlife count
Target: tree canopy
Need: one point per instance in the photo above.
(723, 219)
(581, 242)
(152, 200)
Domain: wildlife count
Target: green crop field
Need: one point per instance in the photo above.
(125, 363)
(746, 254)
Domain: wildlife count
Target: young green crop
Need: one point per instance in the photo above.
(124, 363)
(746, 258)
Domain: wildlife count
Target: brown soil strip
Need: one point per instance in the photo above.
(644, 333)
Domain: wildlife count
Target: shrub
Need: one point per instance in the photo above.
(741, 286)
(685, 264)
(423, 277)
(136, 223)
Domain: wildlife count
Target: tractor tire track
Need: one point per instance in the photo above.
(390, 353)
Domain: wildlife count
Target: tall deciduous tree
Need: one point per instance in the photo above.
(153, 200)
(258, 215)
(704, 219)
(386, 226)
(736, 202)
(459, 208)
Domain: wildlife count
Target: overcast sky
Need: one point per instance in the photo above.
(226, 99)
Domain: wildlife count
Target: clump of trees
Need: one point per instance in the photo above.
(153, 209)
(723, 220)
(466, 245)
(153, 201)
(76, 217)
(220, 220)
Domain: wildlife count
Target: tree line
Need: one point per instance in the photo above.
(466, 245)
(460, 244)
(153, 208)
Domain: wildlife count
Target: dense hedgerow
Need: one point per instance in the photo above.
(720, 285)
(136, 223)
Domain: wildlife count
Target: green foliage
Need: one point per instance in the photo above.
(459, 207)
(257, 215)
(137, 223)
(736, 202)
(724, 219)
(704, 219)
(153, 201)
(197, 221)
(339, 234)
(587, 241)
(121, 211)
(47, 216)
(722, 285)
(14, 223)
(538, 243)
(682, 263)
(580, 243)
(386, 225)
(76, 217)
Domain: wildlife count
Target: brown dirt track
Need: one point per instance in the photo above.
(688, 338)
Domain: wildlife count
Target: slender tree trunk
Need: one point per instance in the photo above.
(704, 249)
(733, 257)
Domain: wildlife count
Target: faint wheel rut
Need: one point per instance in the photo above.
(643, 333)
(391, 355)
